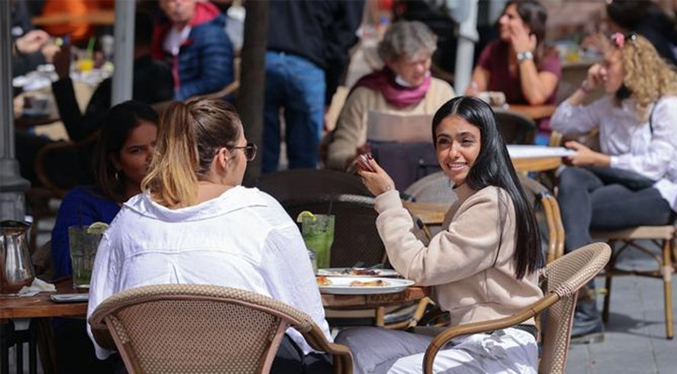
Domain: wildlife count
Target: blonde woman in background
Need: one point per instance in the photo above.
(632, 180)
(195, 223)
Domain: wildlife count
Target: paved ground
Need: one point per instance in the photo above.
(635, 334)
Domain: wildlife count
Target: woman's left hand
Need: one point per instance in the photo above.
(585, 156)
(521, 40)
(378, 181)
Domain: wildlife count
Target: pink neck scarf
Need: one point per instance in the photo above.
(394, 94)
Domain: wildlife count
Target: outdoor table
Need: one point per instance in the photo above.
(533, 158)
(429, 213)
(371, 301)
(534, 112)
(38, 308)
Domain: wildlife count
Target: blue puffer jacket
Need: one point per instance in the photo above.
(205, 60)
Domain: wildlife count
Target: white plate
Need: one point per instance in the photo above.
(345, 272)
(341, 286)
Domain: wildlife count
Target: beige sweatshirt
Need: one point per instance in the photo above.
(469, 264)
(351, 128)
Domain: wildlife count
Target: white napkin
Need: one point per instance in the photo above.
(36, 287)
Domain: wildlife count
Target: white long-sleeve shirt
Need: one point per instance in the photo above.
(631, 145)
(242, 239)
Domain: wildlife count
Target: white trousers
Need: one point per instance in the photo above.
(381, 351)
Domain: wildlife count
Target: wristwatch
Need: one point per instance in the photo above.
(523, 56)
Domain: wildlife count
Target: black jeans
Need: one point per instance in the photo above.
(586, 203)
(290, 360)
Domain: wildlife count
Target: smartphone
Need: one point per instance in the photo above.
(70, 298)
(363, 163)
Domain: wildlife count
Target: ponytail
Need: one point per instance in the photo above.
(189, 136)
(172, 179)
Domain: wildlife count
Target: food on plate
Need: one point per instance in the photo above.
(372, 283)
(323, 280)
(360, 271)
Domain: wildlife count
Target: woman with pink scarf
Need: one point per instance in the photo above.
(403, 86)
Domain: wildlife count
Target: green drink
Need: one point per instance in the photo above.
(318, 234)
(83, 242)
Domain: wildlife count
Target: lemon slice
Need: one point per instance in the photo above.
(97, 228)
(305, 213)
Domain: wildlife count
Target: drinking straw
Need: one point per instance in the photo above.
(90, 48)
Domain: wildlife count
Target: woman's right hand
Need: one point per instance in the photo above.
(596, 77)
(378, 181)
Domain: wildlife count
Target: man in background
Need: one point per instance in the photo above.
(192, 39)
(308, 44)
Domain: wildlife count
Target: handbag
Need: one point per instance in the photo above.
(628, 178)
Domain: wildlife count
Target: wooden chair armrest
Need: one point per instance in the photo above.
(473, 328)
(343, 359)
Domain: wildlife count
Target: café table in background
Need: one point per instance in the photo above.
(39, 309)
(536, 158)
(534, 112)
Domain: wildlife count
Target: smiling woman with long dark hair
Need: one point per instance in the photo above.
(481, 266)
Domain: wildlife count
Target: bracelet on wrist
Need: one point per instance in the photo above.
(584, 87)
(524, 56)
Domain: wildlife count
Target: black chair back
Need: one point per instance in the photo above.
(355, 236)
(303, 183)
(515, 127)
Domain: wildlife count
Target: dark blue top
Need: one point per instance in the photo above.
(81, 206)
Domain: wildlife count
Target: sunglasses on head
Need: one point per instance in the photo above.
(249, 151)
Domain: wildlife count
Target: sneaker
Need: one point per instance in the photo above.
(587, 327)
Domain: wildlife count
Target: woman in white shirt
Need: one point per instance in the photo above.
(632, 181)
(195, 223)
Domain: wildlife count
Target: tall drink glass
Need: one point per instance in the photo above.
(83, 244)
(318, 234)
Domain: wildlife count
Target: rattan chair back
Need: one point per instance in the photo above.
(174, 328)
(303, 183)
(562, 279)
(433, 188)
(516, 128)
(356, 238)
(547, 212)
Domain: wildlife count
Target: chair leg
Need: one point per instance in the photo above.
(667, 287)
(607, 297)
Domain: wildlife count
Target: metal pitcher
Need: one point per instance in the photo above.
(16, 268)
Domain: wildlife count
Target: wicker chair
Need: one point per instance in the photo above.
(543, 201)
(304, 183)
(356, 239)
(175, 328)
(515, 127)
(433, 188)
(662, 236)
(562, 279)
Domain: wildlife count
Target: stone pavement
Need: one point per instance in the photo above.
(635, 334)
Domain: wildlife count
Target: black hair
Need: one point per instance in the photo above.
(494, 168)
(117, 125)
(535, 16)
(627, 13)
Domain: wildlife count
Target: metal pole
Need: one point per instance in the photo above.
(467, 37)
(12, 186)
(123, 60)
